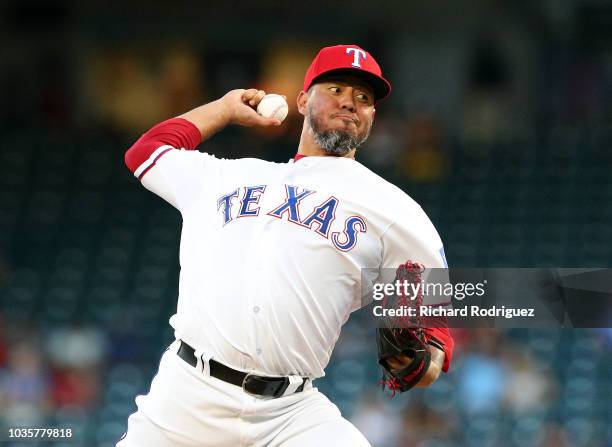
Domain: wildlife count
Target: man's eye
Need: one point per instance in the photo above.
(363, 97)
(334, 89)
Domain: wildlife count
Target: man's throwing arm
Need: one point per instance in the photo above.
(186, 132)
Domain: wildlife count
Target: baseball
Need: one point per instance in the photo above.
(273, 106)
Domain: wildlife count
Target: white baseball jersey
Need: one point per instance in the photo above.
(271, 253)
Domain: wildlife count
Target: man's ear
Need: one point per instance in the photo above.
(302, 101)
(373, 114)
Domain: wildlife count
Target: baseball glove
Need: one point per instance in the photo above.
(404, 334)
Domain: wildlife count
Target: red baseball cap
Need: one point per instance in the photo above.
(348, 59)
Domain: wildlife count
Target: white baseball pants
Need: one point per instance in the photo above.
(188, 407)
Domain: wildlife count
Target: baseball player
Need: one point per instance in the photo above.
(271, 258)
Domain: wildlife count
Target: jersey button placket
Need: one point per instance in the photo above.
(256, 310)
(259, 287)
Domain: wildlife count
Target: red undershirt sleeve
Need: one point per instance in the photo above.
(444, 338)
(175, 133)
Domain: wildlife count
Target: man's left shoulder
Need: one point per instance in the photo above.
(403, 208)
(374, 181)
(394, 196)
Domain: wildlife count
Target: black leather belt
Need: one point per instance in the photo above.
(250, 383)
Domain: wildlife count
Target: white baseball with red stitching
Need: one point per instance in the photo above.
(273, 106)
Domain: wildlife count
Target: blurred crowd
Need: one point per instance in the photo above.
(43, 375)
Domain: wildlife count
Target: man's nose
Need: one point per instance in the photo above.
(347, 102)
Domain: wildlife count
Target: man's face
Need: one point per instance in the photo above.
(340, 113)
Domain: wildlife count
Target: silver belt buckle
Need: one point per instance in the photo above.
(244, 383)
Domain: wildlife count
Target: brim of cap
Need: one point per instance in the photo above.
(381, 87)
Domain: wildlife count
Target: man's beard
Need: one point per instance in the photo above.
(334, 142)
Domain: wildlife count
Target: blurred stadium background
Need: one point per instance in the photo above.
(500, 126)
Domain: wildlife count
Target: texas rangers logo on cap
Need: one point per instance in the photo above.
(359, 53)
(348, 59)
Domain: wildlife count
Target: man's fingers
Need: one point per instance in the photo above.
(257, 98)
(248, 94)
(252, 96)
(251, 118)
(399, 361)
(245, 114)
(268, 121)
